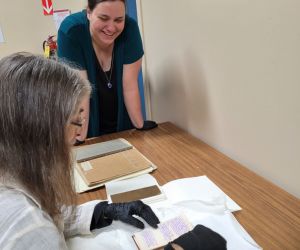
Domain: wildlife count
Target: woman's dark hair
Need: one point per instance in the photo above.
(38, 98)
(93, 3)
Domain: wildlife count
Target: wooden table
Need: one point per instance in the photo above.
(269, 214)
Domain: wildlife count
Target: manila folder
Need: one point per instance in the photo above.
(113, 166)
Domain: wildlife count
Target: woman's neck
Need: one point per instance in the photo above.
(103, 48)
(104, 55)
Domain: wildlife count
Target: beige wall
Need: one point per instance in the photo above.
(24, 25)
(229, 73)
(226, 71)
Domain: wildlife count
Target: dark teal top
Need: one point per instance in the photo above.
(75, 45)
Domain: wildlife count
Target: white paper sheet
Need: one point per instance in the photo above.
(80, 185)
(215, 217)
(119, 235)
(198, 198)
(198, 188)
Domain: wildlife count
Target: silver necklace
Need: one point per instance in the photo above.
(109, 84)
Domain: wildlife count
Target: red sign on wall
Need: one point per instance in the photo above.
(47, 7)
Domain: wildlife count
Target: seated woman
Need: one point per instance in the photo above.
(41, 106)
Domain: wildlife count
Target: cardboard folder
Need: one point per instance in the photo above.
(113, 164)
(143, 187)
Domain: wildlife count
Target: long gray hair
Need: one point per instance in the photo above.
(38, 97)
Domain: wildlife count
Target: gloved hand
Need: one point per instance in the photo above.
(105, 213)
(148, 125)
(200, 238)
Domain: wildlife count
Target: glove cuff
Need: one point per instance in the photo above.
(148, 125)
(169, 247)
(99, 220)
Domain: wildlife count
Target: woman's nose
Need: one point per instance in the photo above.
(111, 27)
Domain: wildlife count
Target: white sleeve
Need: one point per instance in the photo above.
(80, 221)
(40, 237)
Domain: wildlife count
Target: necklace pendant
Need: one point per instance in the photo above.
(109, 85)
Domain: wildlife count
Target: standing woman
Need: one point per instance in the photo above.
(106, 46)
(41, 106)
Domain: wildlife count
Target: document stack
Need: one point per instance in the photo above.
(100, 163)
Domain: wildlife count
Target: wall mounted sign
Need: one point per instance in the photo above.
(59, 16)
(47, 7)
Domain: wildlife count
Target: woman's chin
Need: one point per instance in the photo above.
(72, 141)
(106, 40)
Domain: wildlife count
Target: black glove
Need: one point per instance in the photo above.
(148, 125)
(200, 238)
(105, 213)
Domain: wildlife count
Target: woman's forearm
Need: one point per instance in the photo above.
(133, 104)
(131, 93)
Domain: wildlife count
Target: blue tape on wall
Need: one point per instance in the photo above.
(132, 12)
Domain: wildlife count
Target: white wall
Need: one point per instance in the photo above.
(229, 73)
(24, 25)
